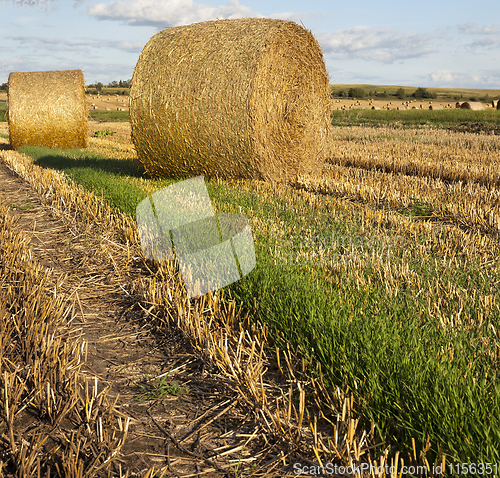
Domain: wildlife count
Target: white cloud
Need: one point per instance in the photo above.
(471, 28)
(487, 43)
(166, 13)
(459, 79)
(16, 64)
(90, 44)
(384, 45)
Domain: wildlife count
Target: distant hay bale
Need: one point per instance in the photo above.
(471, 105)
(402, 107)
(47, 108)
(245, 98)
(498, 105)
(459, 104)
(436, 107)
(494, 103)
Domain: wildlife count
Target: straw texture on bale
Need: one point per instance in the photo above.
(471, 105)
(47, 108)
(244, 98)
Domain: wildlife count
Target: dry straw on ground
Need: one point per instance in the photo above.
(471, 105)
(244, 98)
(47, 108)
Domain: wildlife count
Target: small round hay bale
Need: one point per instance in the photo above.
(436, 107)
(471, 105)
(245, 98)
(494, 103)
(47, 108)
(402, 108)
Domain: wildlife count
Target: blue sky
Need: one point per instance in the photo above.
(438, 43)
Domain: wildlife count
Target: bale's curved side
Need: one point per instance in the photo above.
(472, 105)
(242, 98)
(47, 108)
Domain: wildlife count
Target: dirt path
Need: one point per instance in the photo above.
(197, 427)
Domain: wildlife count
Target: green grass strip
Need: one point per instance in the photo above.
(419, 117)
(109, 116)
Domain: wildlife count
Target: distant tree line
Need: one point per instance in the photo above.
(114, 84)
(360, 92)
(96, 88)
(3, 87)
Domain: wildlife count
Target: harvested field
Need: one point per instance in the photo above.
(121, 131)
(402, 223)
(124, 346)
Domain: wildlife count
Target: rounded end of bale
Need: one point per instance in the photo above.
(291, 105)
(47, 108)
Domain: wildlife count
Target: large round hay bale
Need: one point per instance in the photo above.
(244, 98)
(471, 105)
(47, 108)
